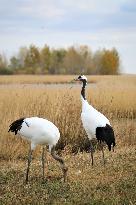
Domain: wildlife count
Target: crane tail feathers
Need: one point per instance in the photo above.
(106, 134)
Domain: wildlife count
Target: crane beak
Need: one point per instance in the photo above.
(76, 79)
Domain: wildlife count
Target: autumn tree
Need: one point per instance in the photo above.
(32, 60)
(14, 63)
(3, 62)
(109, 62)
(4, 65)
(23, 51)
(45, 59)
(73, 63)
(56, 63)
(97, 62)
(86, 56)
(74, 60)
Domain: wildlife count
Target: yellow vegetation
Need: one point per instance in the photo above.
(114, 96)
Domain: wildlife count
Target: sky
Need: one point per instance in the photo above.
(62, 23)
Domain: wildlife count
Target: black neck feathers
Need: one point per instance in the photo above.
(16, 125)
(83, 89)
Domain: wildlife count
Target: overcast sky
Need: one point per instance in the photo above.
(62, 23)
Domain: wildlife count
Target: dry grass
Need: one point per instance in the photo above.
(115, 96)
(24, 79)
(112, 185)
(62, 105)
(28, 79)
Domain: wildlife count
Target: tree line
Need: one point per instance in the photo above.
(73, 60)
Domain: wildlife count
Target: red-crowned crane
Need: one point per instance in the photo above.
(95, 123)
(39, 131)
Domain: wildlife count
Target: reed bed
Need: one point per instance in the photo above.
(30, 79)
(116, 99)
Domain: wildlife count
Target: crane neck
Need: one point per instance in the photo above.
(85, 104)
(83, 89)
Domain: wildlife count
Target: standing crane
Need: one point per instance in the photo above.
(39, 131)
(96, 125)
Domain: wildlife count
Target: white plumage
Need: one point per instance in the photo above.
(95, 123)
(38, 131)
(92, 119)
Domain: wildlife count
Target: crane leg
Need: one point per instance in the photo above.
(61, 161)
(103, 156)
(101, 146)
(92, 151)
(29, 162)
(43, 151)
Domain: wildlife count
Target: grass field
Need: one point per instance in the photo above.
(115, 96)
